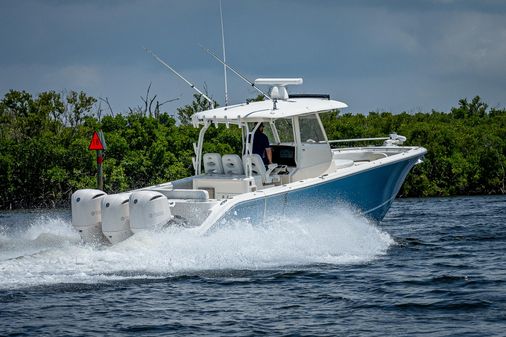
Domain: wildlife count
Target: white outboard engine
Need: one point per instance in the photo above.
(148, 210)
(116, 217)
(86, 214)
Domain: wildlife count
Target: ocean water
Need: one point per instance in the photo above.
(433, 267)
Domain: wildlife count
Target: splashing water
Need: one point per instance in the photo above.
(50, 251)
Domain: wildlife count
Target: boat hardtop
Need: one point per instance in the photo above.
(265, 110)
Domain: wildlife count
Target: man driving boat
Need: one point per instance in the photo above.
(261, 145)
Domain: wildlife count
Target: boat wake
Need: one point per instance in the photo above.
(49, 251)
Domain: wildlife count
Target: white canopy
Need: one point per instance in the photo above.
(264, 110)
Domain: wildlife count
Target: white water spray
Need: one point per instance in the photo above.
(50, 252)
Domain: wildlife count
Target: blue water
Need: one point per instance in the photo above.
(433, 267)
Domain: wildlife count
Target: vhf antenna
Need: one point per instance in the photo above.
(207, 50)
(180, 76)
(224, 55)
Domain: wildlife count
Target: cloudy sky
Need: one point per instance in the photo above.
(391, 55)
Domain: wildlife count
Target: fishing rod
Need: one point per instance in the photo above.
(207, 50)
(180, 76)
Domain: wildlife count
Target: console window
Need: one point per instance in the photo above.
(310, 129)
(284, 127)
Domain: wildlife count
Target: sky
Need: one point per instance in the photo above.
(391, 55)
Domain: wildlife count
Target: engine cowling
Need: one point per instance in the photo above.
(148, 210)
(87, 214)
(116, 217)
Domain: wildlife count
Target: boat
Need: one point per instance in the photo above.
(306, 172)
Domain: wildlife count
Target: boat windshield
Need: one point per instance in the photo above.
(284, 128)
(310, 129)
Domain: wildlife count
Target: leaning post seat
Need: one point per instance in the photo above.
(232, 164)
(258, 168)
(257, 164)
(213, 163)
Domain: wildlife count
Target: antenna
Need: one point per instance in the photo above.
(180, 76)
(207, 50)
(224, 55)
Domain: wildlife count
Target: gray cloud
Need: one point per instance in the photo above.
(395, 55)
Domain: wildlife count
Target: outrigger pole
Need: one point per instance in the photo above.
(207, 50)
(224, 55)
(180, 76)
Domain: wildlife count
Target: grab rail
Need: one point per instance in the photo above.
(393, 140)
(357, 140)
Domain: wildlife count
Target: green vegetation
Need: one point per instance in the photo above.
(44, 141)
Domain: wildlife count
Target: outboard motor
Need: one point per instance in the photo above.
(116, 217)
(148, 210)
(86, 214)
